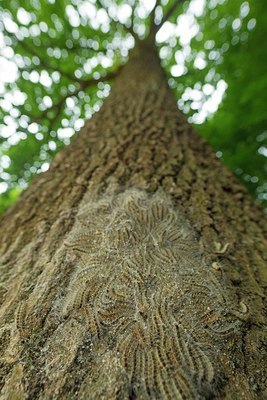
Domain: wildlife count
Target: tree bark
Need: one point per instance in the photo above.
(134, 267)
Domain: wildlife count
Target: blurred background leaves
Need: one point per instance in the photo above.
(57, 58)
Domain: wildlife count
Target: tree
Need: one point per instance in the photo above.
(135, 266)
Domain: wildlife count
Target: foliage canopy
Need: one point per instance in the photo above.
(58, 59)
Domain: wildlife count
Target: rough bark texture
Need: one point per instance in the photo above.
(135, 267)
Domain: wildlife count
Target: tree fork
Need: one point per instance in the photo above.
(135, 266)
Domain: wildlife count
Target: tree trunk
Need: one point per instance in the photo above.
(134, 267)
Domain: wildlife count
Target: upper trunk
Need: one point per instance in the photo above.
(134, 267)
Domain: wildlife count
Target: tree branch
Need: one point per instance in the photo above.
(32, 51)
(152, 15)
(168, 14)
(82, 85)
(46, 64)
(130, 30)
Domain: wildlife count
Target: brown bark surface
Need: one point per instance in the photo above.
(136, 266)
